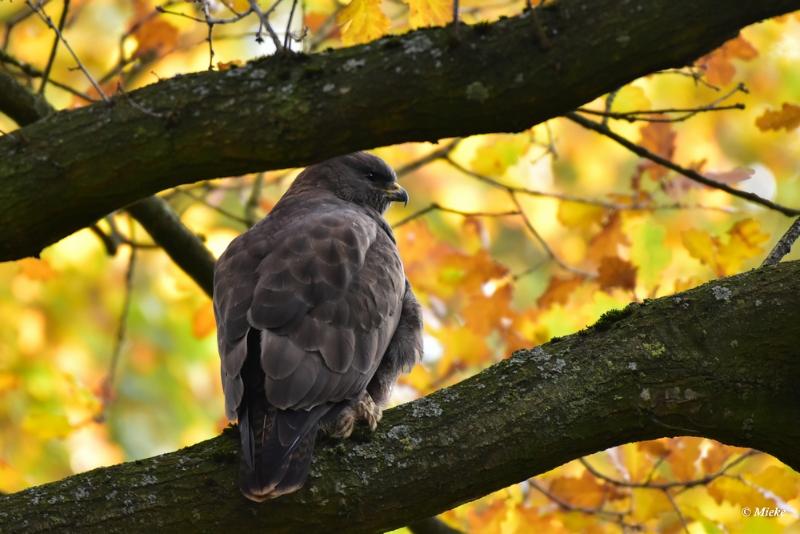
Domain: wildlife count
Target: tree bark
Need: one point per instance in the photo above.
(293, 109)
(720, 361)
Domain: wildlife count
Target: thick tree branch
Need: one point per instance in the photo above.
(153, 213)
(721, 361)
(180, 243)
(79, 165)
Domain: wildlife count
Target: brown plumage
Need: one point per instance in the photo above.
(315, 319)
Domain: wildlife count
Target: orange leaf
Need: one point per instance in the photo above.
(616, 272)
(155, 37)
(203, 322)
(788, 118)
(586, 491)
(559, 290)
(608, 240)
(657, 447)
(718, 64)
(227, 65)
(35, 269)
(659, 138)
(684, 454)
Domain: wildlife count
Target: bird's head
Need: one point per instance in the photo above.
(359, 177)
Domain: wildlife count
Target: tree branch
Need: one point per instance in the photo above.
(153, 213)
(81, 164)
(719, 361)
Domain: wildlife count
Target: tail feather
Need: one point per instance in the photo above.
(277, 445)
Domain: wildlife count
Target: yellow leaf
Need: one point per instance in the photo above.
(500, 152)
(429, 12)
(46, 424)
(362, 21)
(701, 246)
(737, 493)
(579, 215)
(779, 480)
(631, 98)
(788, 118)
(203, 322)
(745, 240)
(419, 378)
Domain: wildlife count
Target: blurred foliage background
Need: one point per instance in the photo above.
(112, 357)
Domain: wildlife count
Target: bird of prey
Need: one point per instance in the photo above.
(315, 319)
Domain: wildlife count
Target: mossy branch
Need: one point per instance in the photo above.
(720, 361)
(64, 172)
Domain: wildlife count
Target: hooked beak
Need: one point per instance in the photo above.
(395, 193)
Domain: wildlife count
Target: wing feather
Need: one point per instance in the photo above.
(321, 285)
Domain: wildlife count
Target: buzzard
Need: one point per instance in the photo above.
(315, 319)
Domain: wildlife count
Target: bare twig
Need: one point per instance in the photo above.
(652, 115)
(439, 153)
(288, 35)
(253, 198)
(33, 72)
(264, 24)
(436, 207)
(47, 20)
(675, 507)
(549, 251)
(688, 173)
(61, 21)
(108, 382)
(221, 211)
(784, 244)
(617, 517)
(682, 484)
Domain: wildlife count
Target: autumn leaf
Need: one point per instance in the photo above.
(500, 152)
(608, 240)
(559, 290)
(203, 323)
(429, 12)
(616, 272)
(579, 214)
(787, 118)
(585, 491)
(683, 457)
(778, 480)
(737, 492)
(155, 37)
(701, 246)
(718, 64)
(659, 138)
(657, 448)
(362, 21)
(726, 257)
(36, 269)
(227, 65)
